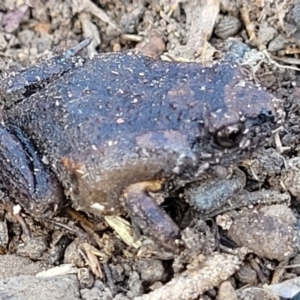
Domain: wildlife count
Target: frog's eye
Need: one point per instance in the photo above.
(229, 136)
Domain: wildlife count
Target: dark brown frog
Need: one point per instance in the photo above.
(109, 130)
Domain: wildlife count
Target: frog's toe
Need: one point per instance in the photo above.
(149, 216)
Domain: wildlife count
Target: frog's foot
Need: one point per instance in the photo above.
(148, 215)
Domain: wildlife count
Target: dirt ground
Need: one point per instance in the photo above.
(247, 249)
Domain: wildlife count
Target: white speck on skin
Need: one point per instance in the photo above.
(79, 171)
(98, 206)
(246, 131)
(244, 144)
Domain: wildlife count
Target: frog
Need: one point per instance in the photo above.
(110, 132)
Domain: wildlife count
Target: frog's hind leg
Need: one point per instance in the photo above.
(24, 177)
(148, 215)
(26, 82)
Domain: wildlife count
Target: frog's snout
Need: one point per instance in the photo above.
(276, 114)
(266, 116)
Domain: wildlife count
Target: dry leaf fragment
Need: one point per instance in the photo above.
(64, 269)
(90, 256)
(123, 229)
(90, 7)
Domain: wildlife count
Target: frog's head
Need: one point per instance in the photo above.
(240, 121)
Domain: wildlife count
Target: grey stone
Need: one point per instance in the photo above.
(27, 287)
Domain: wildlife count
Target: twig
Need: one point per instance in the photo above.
(20, 219)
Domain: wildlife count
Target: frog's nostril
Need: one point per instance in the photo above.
(266, 116)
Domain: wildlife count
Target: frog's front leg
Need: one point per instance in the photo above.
(211, 197)
(148, 215)
(24, 177)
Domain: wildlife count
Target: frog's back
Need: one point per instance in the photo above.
(117, 94)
